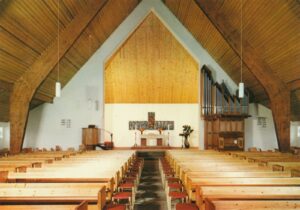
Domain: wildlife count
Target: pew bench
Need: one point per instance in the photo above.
(47, 193)
(211, 204)
(284, 166)
(84, 205)
(253, 193)
(193, 183)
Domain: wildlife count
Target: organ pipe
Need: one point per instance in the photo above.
(216, 98)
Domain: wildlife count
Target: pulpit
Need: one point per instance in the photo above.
(90, 137)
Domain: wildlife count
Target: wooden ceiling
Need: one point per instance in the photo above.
(151, 67)
(28, 27)
(271, 27)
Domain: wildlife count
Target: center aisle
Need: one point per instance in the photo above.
(150, 194)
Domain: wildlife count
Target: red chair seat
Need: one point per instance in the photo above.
(126, 185)
(169, 173)
(132, 174)
(175, 185)
(129, 179)
(122, 195)
(135, 168)
(177, 195)
(186, 206)
(115, 207)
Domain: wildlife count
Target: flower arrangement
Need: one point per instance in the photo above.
(186, 132)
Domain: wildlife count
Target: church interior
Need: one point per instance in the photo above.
(149, 104)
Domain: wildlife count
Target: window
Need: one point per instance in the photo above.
(298, 131)
(1, 133)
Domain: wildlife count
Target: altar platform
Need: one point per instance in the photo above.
(151, 147)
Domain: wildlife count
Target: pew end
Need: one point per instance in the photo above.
(58, 148)
(3, 176)
(277, 167)
(21, 169)
(295, 173)
(101, 198)
(36, 165)
(82, 206)
(209, 204)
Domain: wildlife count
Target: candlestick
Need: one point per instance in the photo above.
(135, 144)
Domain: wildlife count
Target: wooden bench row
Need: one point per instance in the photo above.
(57, 195)
(210, 176)
(75, 177)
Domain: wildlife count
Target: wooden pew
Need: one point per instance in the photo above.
(218, 177)
(49, 193)
(232, 174)
(86, 167)
(192, 183)
(246, 192)
(47, 207)
(295, 172)
(283, 166)
(265, 161)
(211, 204)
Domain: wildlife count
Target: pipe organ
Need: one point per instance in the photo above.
(223, 113)
(216, 99)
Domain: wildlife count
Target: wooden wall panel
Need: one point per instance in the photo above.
(151, 67)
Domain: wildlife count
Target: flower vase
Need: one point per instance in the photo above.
(186, 142)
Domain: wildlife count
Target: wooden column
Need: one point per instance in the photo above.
(277, 90)
(25, 87)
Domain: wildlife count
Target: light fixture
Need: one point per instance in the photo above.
(57, 89)
(58, 84)
(241, 84)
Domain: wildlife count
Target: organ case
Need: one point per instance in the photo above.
(223, 114)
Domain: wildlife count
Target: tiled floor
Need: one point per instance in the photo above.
(150, 194)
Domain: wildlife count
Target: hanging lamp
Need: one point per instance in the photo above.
(58, 84)
(241, 84)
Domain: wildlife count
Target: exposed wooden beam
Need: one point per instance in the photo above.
(294, 85)
(277, 91)
(26, 86)
(7, 86)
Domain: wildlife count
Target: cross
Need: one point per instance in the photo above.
(151, 124)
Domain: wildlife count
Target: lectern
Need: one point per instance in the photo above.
(90, 137)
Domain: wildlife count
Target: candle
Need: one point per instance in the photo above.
(168, 126)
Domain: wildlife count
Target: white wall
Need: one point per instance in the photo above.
(4, 142)
(44, 128)
(117, 117)
(257, 135)
(295, 140)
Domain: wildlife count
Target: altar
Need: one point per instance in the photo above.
(152, 139)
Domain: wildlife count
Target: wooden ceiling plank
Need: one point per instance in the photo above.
(7, 86)
(277, 90)
(43, 97)
(28, 83)
(16, 29)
